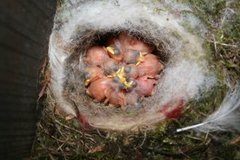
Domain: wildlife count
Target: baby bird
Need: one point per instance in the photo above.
(116, 98)
(150, 66)
(145, 86)
(96, 56)
(130, 42)
(92, 73)
(100, 88)
(132, 98)
(110, 67)
(133, 57)
(115, 52)
(131, 71)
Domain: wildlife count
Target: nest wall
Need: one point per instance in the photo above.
(163, 25)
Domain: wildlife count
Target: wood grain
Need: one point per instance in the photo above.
(25, 27)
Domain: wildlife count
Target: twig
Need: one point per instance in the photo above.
(223, 44)
(99, 133)
(60, 147)
(43, 68)
(65, 126)
(63, 153)
(70, 128)
(59, 130)
(183, 153)
(206, 137)
(51, 157)
(215, 45)
(59, 140)
(235, 140)
(195, 138)
(144, 139)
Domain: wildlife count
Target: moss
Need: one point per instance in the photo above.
(222, 37)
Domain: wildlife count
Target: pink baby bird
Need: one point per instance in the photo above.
(96, 56)
(150, 66)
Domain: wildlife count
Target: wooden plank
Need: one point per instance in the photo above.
(45, 7)
(8, 33)
(25, 27)
(20, 26)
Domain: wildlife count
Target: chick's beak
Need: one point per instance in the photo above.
(140, 59)
(123, 79)
(113, 50)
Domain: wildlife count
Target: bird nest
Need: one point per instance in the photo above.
(178, 51)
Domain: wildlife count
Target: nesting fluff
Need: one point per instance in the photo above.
(77, 27)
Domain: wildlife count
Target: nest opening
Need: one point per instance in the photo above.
(103, 40)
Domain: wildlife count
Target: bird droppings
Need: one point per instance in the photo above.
(125, 68)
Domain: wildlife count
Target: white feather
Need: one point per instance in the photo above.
(226, 118)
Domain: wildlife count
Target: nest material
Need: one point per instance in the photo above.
(179, 49)
(97, 112)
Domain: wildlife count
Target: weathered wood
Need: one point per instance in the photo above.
(24, 32)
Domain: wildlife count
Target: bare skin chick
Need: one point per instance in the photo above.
(114, 53)
(150, 66)
(110, 67)
(132, 43)
(132, 98)
(145, 86)
(96, 56)
(131, 71)
(133, 57)
(116, 98)
(92, 73)
(100, 88)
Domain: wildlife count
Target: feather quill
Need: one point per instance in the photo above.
(226, 118)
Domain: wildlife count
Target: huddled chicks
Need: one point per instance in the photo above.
(123, 72)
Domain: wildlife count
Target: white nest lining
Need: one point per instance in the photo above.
(186, 74)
